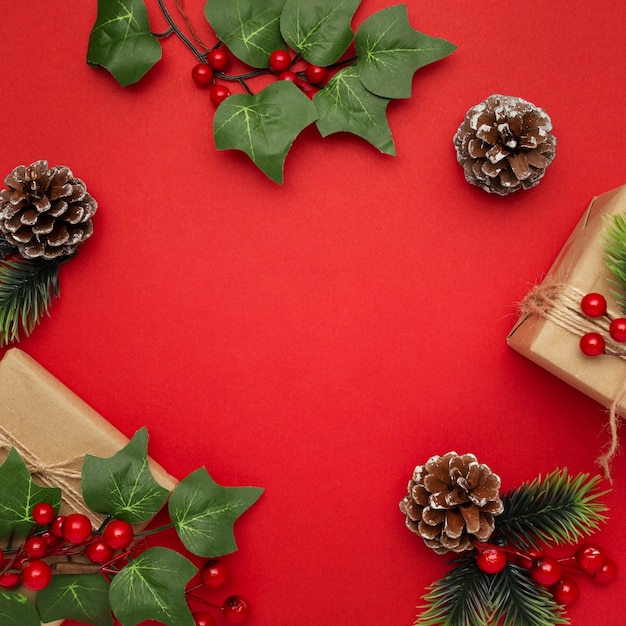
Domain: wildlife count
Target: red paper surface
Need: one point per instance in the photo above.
(323, 337)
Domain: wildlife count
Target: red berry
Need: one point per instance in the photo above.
(98, 552)
(218, 59)
(546, 571)
(527, 559)
(43, 513)
(236, 609)
(311, 92)
(218, 94)
(202, 618)
(214, 574)
(606, 574)
(592, 344)
(118, 534)
(590, 558)
(56, 527)
(76, 528)
(617, 329)
(593, 305)
(36, 575)
(292, 77)
(280, 60)
(566, 591)
(491, 560)
(36, 547)
(202, 74)
(8, 580)
(315, 74)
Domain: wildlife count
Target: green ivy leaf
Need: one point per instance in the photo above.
(390, 51)
(122, 485)
(121, 41)
(17, 610)
(250, 28)
(152, 586)
(80, 597)
(345, 105)
(319, 30)
(265, 125)
(18, 494)
(204, 513)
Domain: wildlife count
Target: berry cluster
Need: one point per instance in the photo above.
(593, 305)
(282, 64)
(548, 571)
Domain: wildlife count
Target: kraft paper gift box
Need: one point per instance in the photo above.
(41, 415)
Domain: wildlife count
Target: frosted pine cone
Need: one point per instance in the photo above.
(452, 502)
(45, 212)
(505, 144)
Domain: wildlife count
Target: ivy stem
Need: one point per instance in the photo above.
(152, 531)
(166, 33)
(174, 28)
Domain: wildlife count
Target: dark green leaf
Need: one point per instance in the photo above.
(265, 125)
(121, 41)
(19, 494)
(122, 485)
(152, 586)
(204, 513)
(319, 30)
(344, 105)
(389, 52)
(16, 610)
(250, 28)
(80, 597)
(27, 287)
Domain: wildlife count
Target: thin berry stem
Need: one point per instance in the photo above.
(203, 601)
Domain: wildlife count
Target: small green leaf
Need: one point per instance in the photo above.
(345, 105)
(80, 597)
(250, 28)
(204, 513)
(152, 587)
(122, 485)
(390, 51)
(121, 41)
(19, 494)
(265, 125)
(16, 610)
(318, 30)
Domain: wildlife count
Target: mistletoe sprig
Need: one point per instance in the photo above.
(93, 575)
(366, 69)
(503, 574)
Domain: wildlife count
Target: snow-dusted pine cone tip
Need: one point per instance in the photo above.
(452, 502)
(505, 144)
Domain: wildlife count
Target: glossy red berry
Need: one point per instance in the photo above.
(218, 94)
(36, 575)
(566, 591)
(491, 560)
(56, 527)
(202, 618)
(118, 534)
(546, 571)
(76, 528)
(9, 580)
(43, 513)
(214, 574)
(202, 74)
(592, 344)
(236, 609)
(527, 559)
(311, 92)
(36, 547)
(290, 76)
(593, 305)
(590, 558)
(315, 74)
(617, 329)
(606, 574)
(218, 59)
(98, 552)
(280, 60)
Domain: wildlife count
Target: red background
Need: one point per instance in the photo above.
(323, 337)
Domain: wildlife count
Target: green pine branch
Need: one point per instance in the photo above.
(27, 287)
(615, 256)
(556, 509)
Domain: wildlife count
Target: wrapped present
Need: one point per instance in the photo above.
(551, 322)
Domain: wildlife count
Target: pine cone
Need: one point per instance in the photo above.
(452, 502)
(505, 144)
(45, 212)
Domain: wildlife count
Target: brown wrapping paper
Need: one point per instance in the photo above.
(54, 425)
(581, 266)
